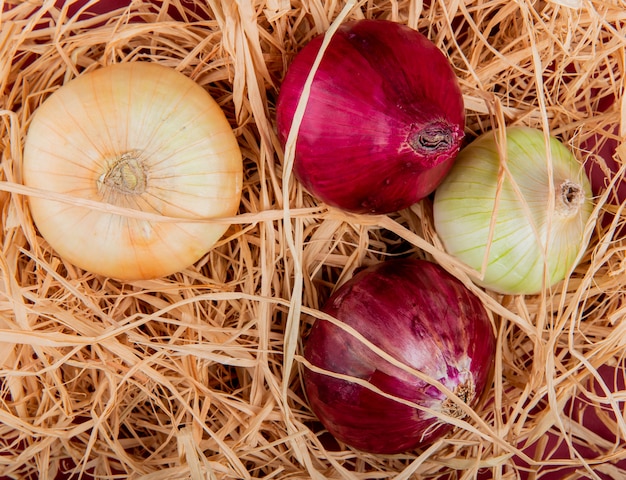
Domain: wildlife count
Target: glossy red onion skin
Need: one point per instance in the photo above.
(421, 316)
(378, 84)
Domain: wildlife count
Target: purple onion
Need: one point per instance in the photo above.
(383, 122)
(419, 315)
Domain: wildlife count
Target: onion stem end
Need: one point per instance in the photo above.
(126, 174)
(570, 198)
(435, 141)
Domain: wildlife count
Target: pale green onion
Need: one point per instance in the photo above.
(517, 219)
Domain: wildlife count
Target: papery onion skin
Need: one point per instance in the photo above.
(465, 201)
(141, 136)
(383, 122)
(421, 316)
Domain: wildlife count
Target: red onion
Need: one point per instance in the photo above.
(422, 317)
(383, 122)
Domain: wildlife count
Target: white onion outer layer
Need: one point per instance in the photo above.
(532, 233)
(140, 136)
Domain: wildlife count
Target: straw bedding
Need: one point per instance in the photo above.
(197, 375)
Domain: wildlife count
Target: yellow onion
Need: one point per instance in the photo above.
(139, 136)
(521, 226)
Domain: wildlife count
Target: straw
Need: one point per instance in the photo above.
(198, 375)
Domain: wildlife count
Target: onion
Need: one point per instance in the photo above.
(383, 122)
(139, 136)
(539, 215)
(422, 317)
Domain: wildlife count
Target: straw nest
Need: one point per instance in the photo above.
(197, 375)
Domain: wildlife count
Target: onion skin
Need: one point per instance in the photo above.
(139, 136)
(383, 122)
(465, 203)
(421, 316)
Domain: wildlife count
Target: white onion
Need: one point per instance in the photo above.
(539, 216)
(139, 136)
